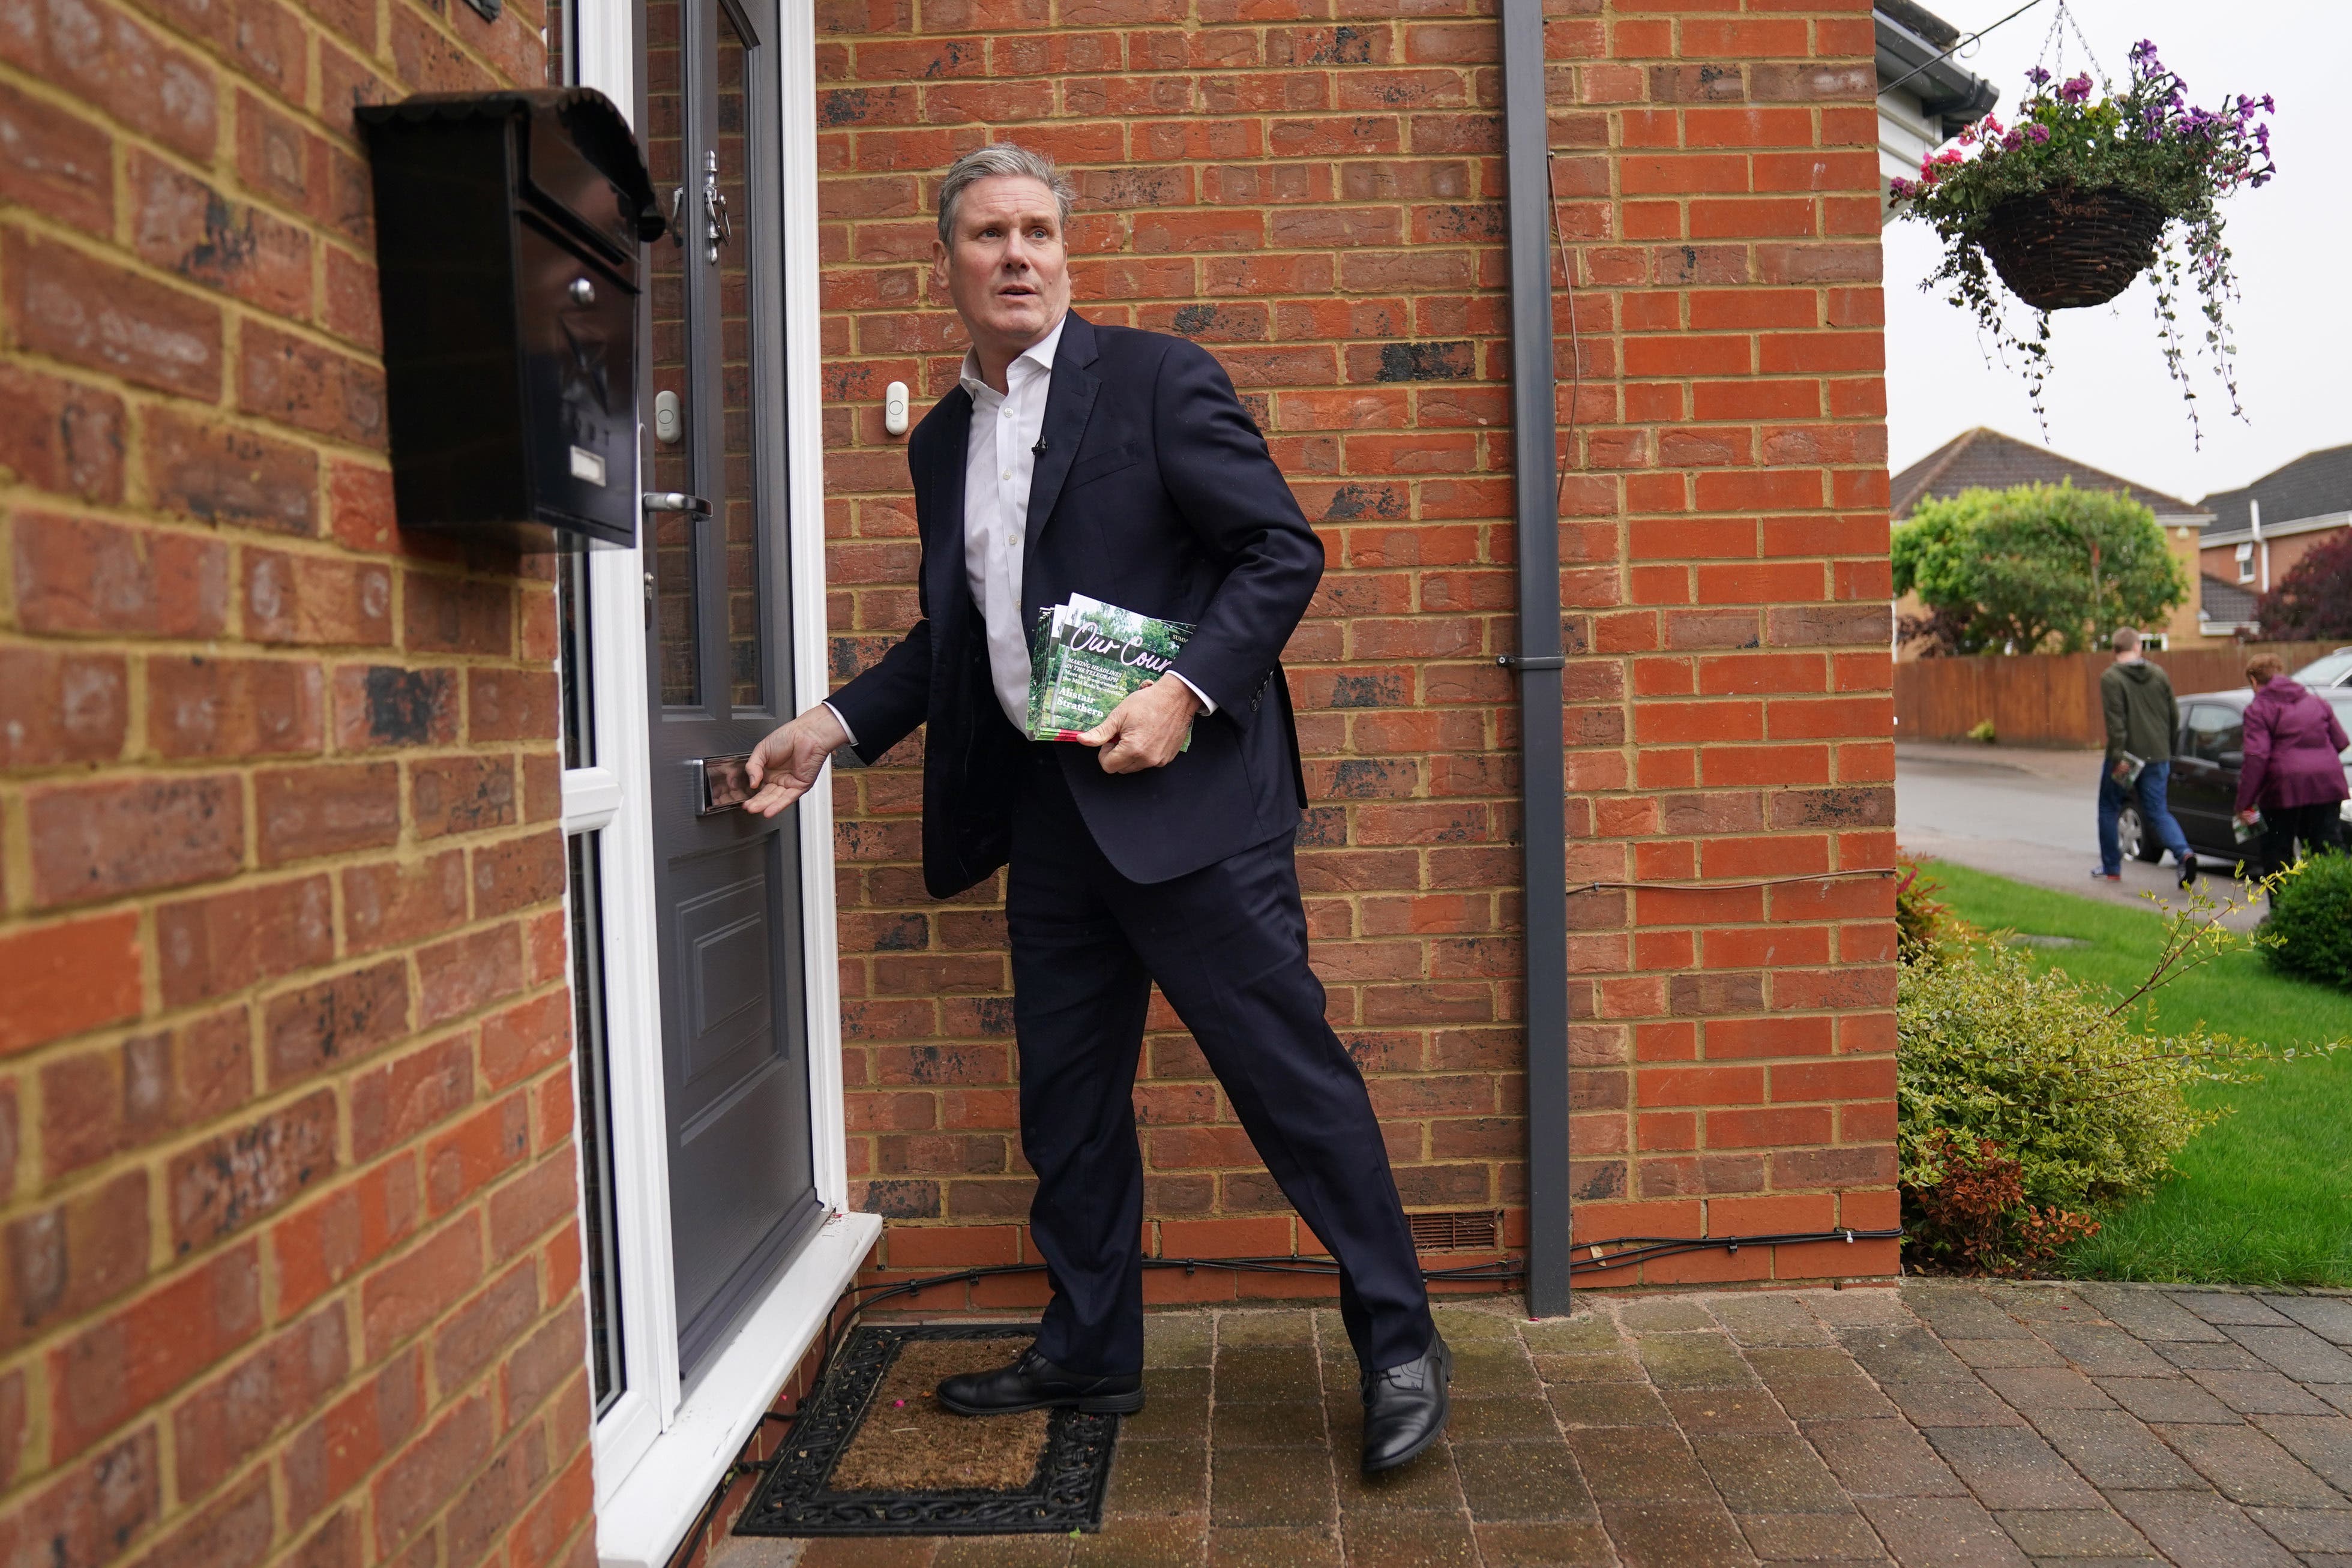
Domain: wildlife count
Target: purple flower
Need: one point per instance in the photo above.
(2077, 90)
(2013, 141)
(2037, 135)
(2037, 76)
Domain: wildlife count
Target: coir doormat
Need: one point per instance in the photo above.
(873, 1454)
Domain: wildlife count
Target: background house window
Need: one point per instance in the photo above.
(2246, 562)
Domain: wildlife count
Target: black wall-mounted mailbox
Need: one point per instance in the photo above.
(507, 235)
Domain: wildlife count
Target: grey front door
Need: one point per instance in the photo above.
(734, 1026)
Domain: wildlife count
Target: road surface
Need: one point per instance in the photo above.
(2027, 814)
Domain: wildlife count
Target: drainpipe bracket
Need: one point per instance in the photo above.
(1531, 660)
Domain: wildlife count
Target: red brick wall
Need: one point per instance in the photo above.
(1313, 190)
(285, 1111)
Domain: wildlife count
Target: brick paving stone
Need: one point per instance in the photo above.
(1268, 1486)
(1907, 1354)
(2336, 1394)
(1697, 1410)
(1158, 1477)
(1767, 1318)
(2112, 1448)
(2031, 1389)
(1941, 1532)
(1482, 1368)
(2295, 1351)
(1693, 1361)
(1286, 1326)
(1833, 1399)
(1969, 1404)
(1500, 1420)
(1580, 1545)
(1782, 1474)
(1663, 1314)
(1642, 1464)
(2167, 1399)
(1882, 1459)
(1652, 1536)
(1267, 1373)
(2200, 1529)
(2099, 1563)
(868, 1551)
(1409, 1540)
(2103, 1351)
(2071, 1532)
(1956, 1311)
(2040, 1304)
(2263, 1393)
(1512, 1482)
(1856, 1308)
(2306, 1529)
(1774, 1362)
(2219, 1307)
(1181, 1411)
(2249, 1467)
(2228, 1355)
(1274, 1547)
(1585, 1332)
(1256, 1423)
(2330, 1317)
(2010, 1466)
(1982, 1353)
(1427, 1484)
(2323, 1442)
(1811, 1538)
(1140, 1543)
(1466, 1325)
(1608, 1404)
(1588, 1369)
(1179, 1339)
(2148, 1314)
(1003, 1552)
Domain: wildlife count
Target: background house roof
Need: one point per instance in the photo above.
(2224, 602)
(2313, 486)
(1986, 459)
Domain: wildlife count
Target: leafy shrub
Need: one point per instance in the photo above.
(1984, 731)
(2091, 1108)
(1922, 921)
(1976, 1216)
(2309, 932)
(2314, 598)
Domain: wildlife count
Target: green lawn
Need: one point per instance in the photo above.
(2264, 1197)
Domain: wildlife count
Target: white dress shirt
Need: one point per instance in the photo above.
(1000, 461)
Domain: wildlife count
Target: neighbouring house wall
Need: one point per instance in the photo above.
(1313, 191)
(2285, 550)
(285, 1107)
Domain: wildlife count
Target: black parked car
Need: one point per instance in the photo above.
(2203, 789)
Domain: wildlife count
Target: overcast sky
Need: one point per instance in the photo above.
(2110, 401)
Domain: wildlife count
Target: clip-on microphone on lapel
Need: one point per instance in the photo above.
(1038, 450)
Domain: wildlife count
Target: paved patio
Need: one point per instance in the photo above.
(1945, 1423)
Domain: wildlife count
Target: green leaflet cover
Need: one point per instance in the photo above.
(1086, 657)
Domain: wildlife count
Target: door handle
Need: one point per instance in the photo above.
(721, 783)
(676, 501)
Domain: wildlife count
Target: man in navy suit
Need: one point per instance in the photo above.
(1077, 459)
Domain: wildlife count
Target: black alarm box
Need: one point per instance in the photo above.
(509, 228)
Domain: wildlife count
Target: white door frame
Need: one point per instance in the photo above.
(663, 1445)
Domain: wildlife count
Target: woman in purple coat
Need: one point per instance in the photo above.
(2292, 774)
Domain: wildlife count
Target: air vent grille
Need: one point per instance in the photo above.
(1458, 1231)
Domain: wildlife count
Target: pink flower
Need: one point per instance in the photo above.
(2037, 135)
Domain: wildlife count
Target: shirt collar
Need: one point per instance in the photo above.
(1040, 353)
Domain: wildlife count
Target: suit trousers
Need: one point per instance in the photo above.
(1227, 945)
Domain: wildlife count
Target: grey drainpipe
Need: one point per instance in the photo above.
(1527, 142)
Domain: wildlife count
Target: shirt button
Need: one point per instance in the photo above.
(1008, 474)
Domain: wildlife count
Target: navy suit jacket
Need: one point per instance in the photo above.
(1156, 493)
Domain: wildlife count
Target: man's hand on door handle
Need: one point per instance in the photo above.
(787, 763)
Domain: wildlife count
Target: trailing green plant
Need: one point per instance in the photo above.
(2012, 570)
(2149, 143)
(2084, 1090)
(2309, 931)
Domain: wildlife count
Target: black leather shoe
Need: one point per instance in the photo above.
(1405, 1407)
(2188, 869)
(1033, 1382)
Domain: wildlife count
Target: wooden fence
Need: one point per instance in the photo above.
(2052, 699)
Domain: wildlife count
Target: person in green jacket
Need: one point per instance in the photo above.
(2142, 718)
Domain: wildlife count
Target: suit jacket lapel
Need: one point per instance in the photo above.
(1069, 401)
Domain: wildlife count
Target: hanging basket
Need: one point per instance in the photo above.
(2063, 248)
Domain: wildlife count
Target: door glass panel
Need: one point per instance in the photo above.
(592, 1088)
(572, 656)
(673, 534)
(737, 222)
